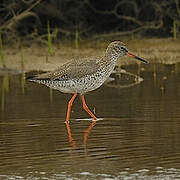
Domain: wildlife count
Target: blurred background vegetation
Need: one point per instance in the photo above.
(41, 21)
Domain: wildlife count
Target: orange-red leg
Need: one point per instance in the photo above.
(71, 140)
(85, 107)
(69, 107)
(87, 131)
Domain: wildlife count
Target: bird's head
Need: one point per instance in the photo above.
(118, 49)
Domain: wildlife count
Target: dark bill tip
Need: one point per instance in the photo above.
(136, 57)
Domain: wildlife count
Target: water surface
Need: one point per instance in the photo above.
(137, 135)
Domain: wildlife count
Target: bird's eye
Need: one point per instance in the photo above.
(123, 48)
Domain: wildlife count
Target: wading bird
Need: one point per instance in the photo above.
(84, 75)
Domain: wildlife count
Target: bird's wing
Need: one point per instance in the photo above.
(72, 70)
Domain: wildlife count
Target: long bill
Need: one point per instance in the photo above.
(136, 57)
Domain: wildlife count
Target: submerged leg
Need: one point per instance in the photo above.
(71, 140)
(88, 130)
(69, 106)
(85, 107)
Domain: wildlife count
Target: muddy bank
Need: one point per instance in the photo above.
(36, 58)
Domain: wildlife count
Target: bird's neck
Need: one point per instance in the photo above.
(111, 55)
(110, 58)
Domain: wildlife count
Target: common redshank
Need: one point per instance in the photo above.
(84, 75)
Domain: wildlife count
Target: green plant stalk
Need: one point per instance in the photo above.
(5, 89)
(23, 82)
(50, 47)
(2, 100)
(2, 52)
(97, 43)
(174, 30)
(6, 83)
(22, 59)
(154, 74)
(76, 39)
(176, 68)
(118, 70)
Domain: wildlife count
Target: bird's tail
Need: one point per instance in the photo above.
(36, 78)
(31, 78)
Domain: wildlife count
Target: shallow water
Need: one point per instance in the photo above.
(136, 137)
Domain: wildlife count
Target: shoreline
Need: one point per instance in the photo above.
(36, 58)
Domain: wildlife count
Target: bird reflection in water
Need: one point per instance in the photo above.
(85, 135)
